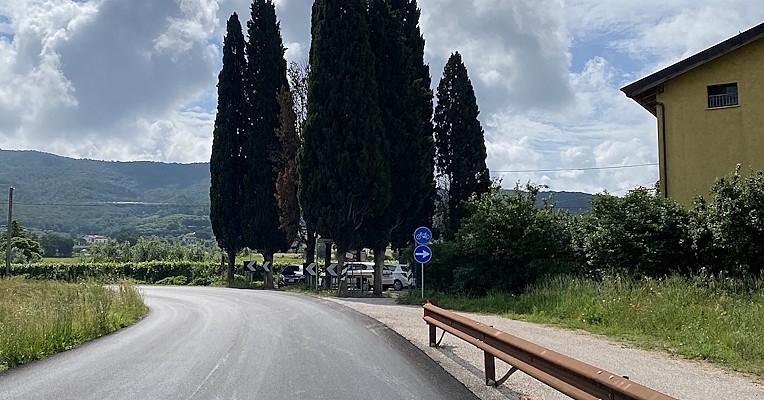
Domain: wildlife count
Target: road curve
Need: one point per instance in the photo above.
(206, 343)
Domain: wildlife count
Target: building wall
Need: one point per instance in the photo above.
(704, 144)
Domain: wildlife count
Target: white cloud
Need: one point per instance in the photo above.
(135, 80)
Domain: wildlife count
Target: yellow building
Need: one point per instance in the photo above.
(710, 111)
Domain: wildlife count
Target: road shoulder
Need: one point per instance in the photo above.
(683, 379)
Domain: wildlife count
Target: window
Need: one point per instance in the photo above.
(722, 95)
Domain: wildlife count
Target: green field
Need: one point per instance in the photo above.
(39, 318)
(707, 318)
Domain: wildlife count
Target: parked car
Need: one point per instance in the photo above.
(291, 275)
(400, 276)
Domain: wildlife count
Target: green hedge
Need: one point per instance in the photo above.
(149, 272)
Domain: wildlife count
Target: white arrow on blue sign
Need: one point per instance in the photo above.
(422, 235)
(422, 254)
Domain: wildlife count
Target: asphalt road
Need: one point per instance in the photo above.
(207, 343)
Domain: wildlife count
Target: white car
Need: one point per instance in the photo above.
(400, 276)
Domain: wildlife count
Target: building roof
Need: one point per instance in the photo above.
(644, 91)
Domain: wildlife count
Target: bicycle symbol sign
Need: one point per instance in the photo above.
(422, 235)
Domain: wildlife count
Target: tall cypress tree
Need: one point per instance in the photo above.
(459, 140)
(420, 146)
(265, 78)
(409, 147)
(344, 177)
(227, 162)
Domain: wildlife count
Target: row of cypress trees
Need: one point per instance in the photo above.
(365, 160)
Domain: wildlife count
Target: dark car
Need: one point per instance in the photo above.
(291, 275)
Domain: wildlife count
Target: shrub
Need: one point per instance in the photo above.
(641, 234)
(728, 230)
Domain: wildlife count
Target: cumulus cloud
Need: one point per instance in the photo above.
(136, 80)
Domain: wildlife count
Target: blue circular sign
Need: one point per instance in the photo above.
(422, 235)
(422, 254)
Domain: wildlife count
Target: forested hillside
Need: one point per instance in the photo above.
(66, 195)
(79, 197)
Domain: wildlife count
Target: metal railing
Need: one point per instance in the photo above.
(722, 100)
(571, 377)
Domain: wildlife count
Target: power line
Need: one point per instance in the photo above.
(111, 203)
(579, 169)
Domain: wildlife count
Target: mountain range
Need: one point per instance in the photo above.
(78, 196)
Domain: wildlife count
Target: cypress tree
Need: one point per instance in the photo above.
(460, 143)
(265, 78)
(420, 148)
(227, 161)
(344, 177)
(402, 102)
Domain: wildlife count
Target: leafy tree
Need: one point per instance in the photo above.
(29, 247)
(459, 142)
(227, 162)
(265, 78)
(57, 245)
(641, 234)
(420, 150)
(344, 177)
(728, 229)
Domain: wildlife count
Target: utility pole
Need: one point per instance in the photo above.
(8, 244)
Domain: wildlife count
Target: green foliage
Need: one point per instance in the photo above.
(148, 272)
(406, 109)
(710, 317)
(508, 243)
(460, 144)
(729, 228)
(30, 248)
(57, 245)
(642, 233)
(40, 318)
(151, 249)
(227, 163)
(79, 197)
(344, 175)
(264, 77)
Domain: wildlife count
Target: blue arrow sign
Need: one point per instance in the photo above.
(422, 254)
(422, 235)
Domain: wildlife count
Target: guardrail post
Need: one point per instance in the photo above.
(490, 369)
(433, 340)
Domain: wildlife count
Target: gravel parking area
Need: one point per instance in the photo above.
(683, 379)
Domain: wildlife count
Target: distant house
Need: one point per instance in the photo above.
(190, 240)
(710, 113)
(90, 239)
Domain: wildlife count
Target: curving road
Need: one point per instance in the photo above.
(208, 343)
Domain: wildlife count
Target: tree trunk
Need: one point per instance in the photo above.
(379, 263)
(328, 258)
(268, 275)
(231, 266)
(342, 285)
(310, 253)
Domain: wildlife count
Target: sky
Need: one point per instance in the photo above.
(130, 80)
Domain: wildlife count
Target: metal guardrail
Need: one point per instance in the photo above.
(571, 377)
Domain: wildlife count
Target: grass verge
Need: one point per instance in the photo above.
(39, 318)
(719, 320)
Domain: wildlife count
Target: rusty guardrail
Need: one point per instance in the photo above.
(571, 377)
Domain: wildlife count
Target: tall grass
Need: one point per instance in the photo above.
(39, 318)
(707, 317)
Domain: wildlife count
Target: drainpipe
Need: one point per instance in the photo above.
(664, 184)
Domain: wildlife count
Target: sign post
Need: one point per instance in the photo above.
(422, 253)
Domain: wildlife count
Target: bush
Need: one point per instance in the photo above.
(149, 272)
(640, 234)
(729, 229)
(506, 244)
